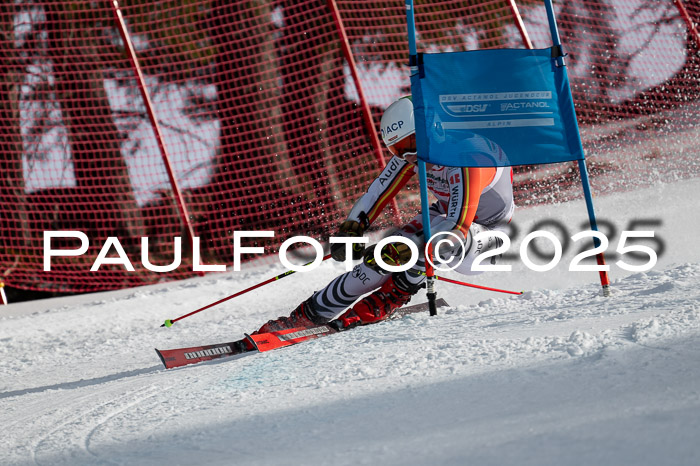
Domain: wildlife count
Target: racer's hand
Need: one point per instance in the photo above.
(394, 254)
(352, 229)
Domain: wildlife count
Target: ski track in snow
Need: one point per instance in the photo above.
(560, 375)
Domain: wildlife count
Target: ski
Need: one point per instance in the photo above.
(253, 344)
(183, 356)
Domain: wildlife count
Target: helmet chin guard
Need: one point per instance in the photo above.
(397, 121)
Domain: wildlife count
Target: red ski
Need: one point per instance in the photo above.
(261, 342)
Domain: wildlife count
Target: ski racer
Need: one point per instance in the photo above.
(469, 201)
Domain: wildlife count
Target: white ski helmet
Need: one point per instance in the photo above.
(397, 121)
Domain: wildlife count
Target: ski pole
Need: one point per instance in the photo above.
(471, 285)
(448, 280)
(169, 322)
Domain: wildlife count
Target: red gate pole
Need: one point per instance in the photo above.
(519, 23)
(3, 297)
(688, 21)
(366, 113)
(182, 208)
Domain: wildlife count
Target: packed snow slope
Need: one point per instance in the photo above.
(559, 375)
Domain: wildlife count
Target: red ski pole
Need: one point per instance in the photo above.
(449, 280)
(471, 285)
(169, 322)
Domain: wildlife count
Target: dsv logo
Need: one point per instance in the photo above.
(460, 110)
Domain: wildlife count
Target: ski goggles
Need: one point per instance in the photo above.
(403, 148)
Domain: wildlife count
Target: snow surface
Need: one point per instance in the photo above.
(559, 375)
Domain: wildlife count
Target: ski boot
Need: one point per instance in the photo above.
(380, 305)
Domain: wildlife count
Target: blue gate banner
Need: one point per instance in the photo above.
(487, 108)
